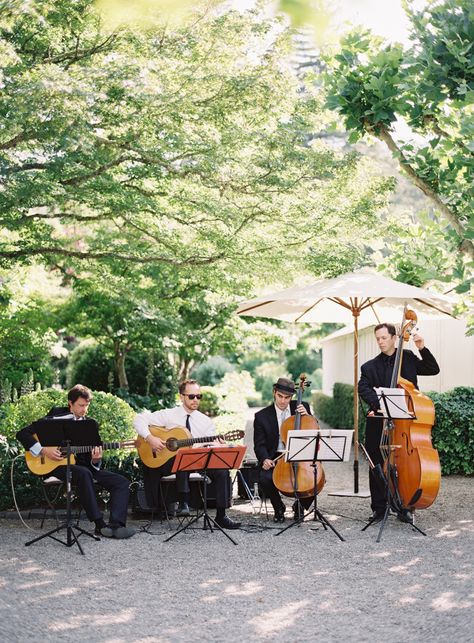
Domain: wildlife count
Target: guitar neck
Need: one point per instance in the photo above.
(105, 445)
(190, 441)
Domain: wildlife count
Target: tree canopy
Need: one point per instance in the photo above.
(430, 87)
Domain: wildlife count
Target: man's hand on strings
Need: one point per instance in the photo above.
(156, 444)
(53, 453)
(302, 409)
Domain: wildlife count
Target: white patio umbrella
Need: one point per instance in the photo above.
(363, 296)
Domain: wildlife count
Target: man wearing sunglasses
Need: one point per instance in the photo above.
(186, 415)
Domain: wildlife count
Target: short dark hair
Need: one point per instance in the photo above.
(77, 391)
(182, 386)
(389, 327)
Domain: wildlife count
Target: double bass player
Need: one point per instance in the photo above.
(378, 372)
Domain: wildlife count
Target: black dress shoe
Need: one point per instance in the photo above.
(377, 515)
(298, 512)
(227, 523)
(279, 514)
(183, 510)
(405, 515)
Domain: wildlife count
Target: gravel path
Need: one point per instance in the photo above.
(304, 585)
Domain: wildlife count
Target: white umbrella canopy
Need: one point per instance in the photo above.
(364, 297)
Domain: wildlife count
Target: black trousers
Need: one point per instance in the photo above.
(152, 477)
(373, 434)
(267, 487)
(83, 478)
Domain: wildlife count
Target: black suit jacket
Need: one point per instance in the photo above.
(265, 431)
(374, 373)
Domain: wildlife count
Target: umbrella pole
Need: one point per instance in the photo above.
(356, 401)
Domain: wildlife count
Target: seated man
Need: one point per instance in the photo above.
(87, 469)
(268, 444)
(186, 415)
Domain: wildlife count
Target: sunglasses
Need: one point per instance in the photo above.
(193, 395)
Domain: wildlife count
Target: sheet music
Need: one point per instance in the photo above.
(393, 403)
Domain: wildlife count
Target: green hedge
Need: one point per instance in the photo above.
(338, 410)
(453, 431)
(115, 418)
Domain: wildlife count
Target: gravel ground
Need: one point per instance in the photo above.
(304, 585)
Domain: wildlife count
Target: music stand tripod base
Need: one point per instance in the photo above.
(316, 445)
(201, 460)
(71, 536)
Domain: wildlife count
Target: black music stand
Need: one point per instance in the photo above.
(202, 460)
(52, 432)
(393, 407)
(311, 446)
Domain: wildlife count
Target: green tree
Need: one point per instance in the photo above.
(189, 149)
(429, 86)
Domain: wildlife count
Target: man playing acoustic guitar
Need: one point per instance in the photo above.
(199, 425)
(87, 469)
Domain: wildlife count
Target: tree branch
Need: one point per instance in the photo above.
(466, 245)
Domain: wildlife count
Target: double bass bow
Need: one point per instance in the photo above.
(415, 471)
(296, 479)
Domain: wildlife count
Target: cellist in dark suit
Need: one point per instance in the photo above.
(267, 443)
(378, 372)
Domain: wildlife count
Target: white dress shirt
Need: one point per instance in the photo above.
(201, 425)
(281, 417)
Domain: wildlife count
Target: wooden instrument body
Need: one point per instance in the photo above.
(174, 439)
(42, 465)
(416, 461)
(285, 474)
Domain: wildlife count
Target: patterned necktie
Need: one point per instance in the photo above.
(284, 415)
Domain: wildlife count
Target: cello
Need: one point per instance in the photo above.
(415, 471)
(296, 479)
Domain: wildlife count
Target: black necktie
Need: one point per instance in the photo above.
(188, 425)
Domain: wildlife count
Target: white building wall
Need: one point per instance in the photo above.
(446, 339)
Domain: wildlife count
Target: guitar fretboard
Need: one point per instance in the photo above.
(105, 445)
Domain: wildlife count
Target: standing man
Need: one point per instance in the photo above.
(187, 415)
(268, 444)
(87, 469)
(378, 372)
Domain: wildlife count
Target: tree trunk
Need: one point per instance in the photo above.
(120, 354)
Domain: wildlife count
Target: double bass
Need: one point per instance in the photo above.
(296, 479)
(415, 471)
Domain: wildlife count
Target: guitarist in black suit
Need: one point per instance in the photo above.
(268, 445)
(87, 469)
(378, 372)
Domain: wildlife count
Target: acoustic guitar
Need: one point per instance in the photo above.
(42, 465)
(175, 439)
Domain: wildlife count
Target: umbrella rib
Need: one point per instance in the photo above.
(264, 303)
(305, 312)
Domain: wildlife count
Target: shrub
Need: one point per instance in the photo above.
(453, 431)
(338, 410)
(90, 364)
(210, 402)
(211, 372)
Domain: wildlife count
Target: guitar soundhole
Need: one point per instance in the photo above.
(172, 444)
